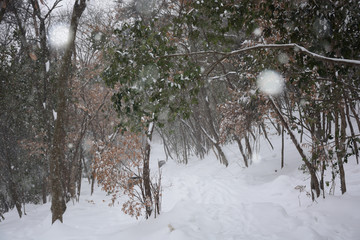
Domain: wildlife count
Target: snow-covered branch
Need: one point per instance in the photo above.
(293, 46)
(299, 48)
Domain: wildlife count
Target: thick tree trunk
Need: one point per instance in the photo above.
(57, 156)
(13, 189)
(43, 57)
(146, 171)
(340, 135)
(15, 197)
(58, 205)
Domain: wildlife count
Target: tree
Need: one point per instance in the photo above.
(118, 168)
(147, 85)
(210, 35)
(58, 205)
(23, 98)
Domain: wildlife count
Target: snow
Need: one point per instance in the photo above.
(257, 32)
(54, 114)
(98, 36)
(296, 48)
(47, 66)
(59, 35)
(283, 58)
(270, 82)
(206, 200)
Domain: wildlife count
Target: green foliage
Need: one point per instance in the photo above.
(150, 85)
(153, 87)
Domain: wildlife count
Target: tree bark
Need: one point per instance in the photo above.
(10, 155)
(92, 182)
(15, 197)
(44, 189)
(146, 171)
(340, 135)
(58, 205)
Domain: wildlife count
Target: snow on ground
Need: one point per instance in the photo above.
(205, 200)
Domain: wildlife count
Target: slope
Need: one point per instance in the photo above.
(205, 200)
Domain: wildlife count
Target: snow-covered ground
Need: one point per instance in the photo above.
(205, 200)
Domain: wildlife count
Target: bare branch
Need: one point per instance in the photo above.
(52, 8)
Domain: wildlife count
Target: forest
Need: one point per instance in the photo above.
(88, 88)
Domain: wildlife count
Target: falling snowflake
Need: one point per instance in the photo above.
(59, 36)
(270, 82)
(283, 58)
(257, 32)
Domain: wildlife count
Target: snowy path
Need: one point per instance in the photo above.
(230, 203)
(204, 200)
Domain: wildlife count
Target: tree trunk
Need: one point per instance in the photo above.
(185, 152)
(356, 150)
(211, 121)
(15, 197)
(340, 135)
(282, 146)
(44, 190)
(43, 104)
(79, 177)
(222, 156)
(248, 147)
(58, 205)
(262, 126)
(146, 171)
(322, 182)
(314, 181)
(76, 161)
(242, 151)
(355, 115)
(92, 183)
